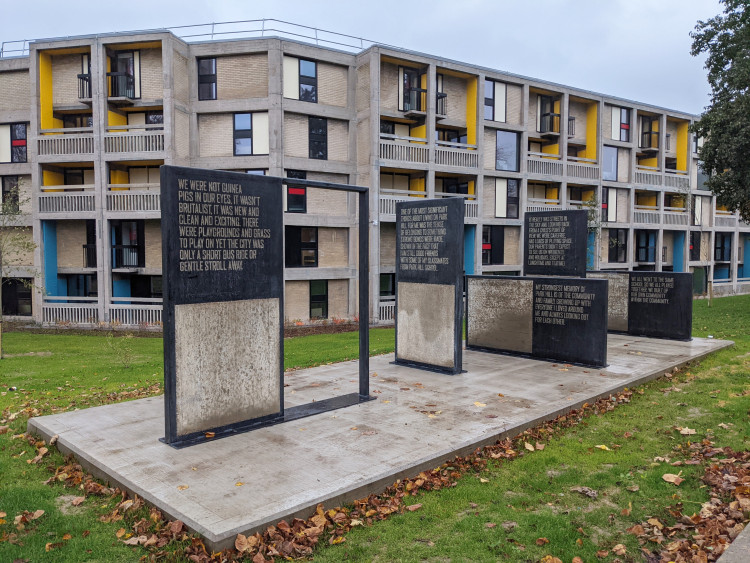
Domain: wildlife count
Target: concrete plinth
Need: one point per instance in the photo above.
(336, 457)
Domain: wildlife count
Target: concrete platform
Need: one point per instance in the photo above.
(419, 420)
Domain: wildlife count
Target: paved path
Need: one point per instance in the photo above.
(336, 457)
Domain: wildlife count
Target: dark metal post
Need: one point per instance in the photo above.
(364, 294)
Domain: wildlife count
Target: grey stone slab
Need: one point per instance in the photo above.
(338, 456)
(739, 550)
(500, 315)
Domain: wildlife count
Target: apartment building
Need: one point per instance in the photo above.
(85, 123)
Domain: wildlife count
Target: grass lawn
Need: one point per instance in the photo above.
(509, 510)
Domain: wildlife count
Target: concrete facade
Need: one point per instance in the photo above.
(404, 124)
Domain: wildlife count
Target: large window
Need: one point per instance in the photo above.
(387, 285)
(609, 163)
(618, 245)
(13, 142)
(722, 247)
(250, 133)
(506, 198)
(695, 246)
(296, 196)
(16, 296)
(318, 139)
(645, 246)
(620, 124)
(493, 245)
(506, 151)
(318, 299)
(494, 100)
(301, 246)
(128, 244)
(207, 79)
(9, 200)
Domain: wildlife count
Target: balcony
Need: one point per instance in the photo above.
(549, 125)
(647, 175)
(584, 168)
(414, 102)
(84, 87)
(405, 149)
(389, 199)
(89, 256)
(677, 179)
(136, 311)
(542, 204)
(67, 199)
(121, 88)
(127, 256)
(386, 310)
(543, 163)
(471, 207)
(64, 310)
(134, 138)
(64, 142)
(676, 216)
(133, 197)
(647, 214)
(456, 154)
(724, 219)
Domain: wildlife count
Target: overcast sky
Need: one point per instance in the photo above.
(635, 49)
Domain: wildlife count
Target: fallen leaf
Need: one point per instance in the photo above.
(4, 429)
(655, 522)
(601, 554)
(210, 434)
(50, 546)
(119, 533)
(66, 537)
(550, 559)
(603, 447)
(542, 541)
(619, 549)
(634, 488)
(636, 530)
(478, 404)
(356, 522)
(686, 431)
(672, 478)
(539, 446)
(239, 484)
(577, 559)
(77, 501)
(483, 480)
(490, 525)
(724, 426)
(337, 540)
(413, 507)
(182, 487)
(53, 440)
(528, 446)
(500, 395)
(589, 492)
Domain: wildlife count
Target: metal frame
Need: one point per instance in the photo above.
(332, 403)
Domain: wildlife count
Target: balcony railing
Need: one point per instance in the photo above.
(64, 310)
(133, 197)
(677, 179)
(72, 199)
(414, 100)
(676, 216)
(543, 163)
(441, 104)
(471, 207)
(131, 311)
(407, 149)
(68, 141)
(456, 154)
(646, 214)
(89, 256)
(126, 256)
(644, 175)
(542, 204)
(386, 310)
(121, 85)
(725, 219)
(588, 170)
(571, 126)
(134, 138)
(84, 86)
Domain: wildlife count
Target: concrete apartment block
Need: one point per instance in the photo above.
(401, 123)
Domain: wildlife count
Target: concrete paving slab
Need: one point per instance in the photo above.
(339, 456)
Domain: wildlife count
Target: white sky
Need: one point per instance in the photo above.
(635, 49)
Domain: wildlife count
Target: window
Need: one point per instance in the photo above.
(80, 285)
(450, 136)
(318, 139)
(455, 186)
(695, 246)
(9, 194)
(155, 118)
(308, 81)
(506, 151)
(493, 245)
(441, 98)
(128, 244)
(301, 247)
(645, 246)
(318, 299)
(620, 124)
(649, 132)
(618, 245)
(506, 198)
(13, 142)
(494, 100)
(124, 79)
(609, 163)
(250, 133)
(722, 247)
(411, 96)
(78, 120)
(387, 127)
(16, 296)
(296, 196)
(207, 79)
(387, 285)
(609, 205)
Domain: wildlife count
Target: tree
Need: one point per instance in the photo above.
(725, 124)
(16, 243)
